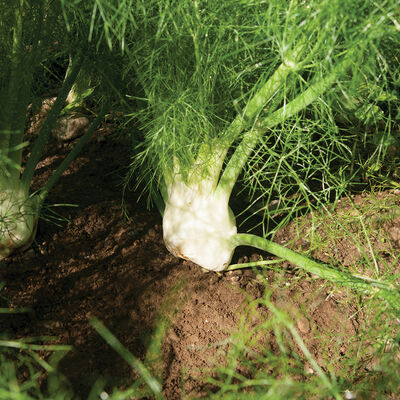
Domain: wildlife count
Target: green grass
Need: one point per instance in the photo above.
(272, 361)
(280, 360)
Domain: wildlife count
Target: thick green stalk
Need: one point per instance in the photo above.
(237, 162)
(261, 98)
(324, 271)
(73, 153)
(208, 164)
(12, 100)
(27, 63)
(50, 121)
(17, 96)
(250, 139)
(258, 101)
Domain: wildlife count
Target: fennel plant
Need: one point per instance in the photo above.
(254, 92)
(34, 34)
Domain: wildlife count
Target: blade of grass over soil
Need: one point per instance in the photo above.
(136, 364)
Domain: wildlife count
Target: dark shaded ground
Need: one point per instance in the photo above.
(117, 269)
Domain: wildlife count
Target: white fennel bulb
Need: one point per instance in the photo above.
(18, 219)
(198, 224)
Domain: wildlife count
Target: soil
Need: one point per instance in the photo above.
(93, 260)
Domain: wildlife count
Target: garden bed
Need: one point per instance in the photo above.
(100, 262)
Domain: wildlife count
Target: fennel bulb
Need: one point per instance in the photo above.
(29, 33)
(19, 216)
(198, 225)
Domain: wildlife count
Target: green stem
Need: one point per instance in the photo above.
(208, 164)
(261, 98)
(73, 153)
(12, 100)
(50, 121)
(237, 162)
(324, 271)
(27, 65)
(17, 96)
(254, 107)
(250, 139)
(260, 263)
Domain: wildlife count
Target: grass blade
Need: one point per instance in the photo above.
(135, 363)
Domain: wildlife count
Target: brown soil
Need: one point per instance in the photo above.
(100, 263)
